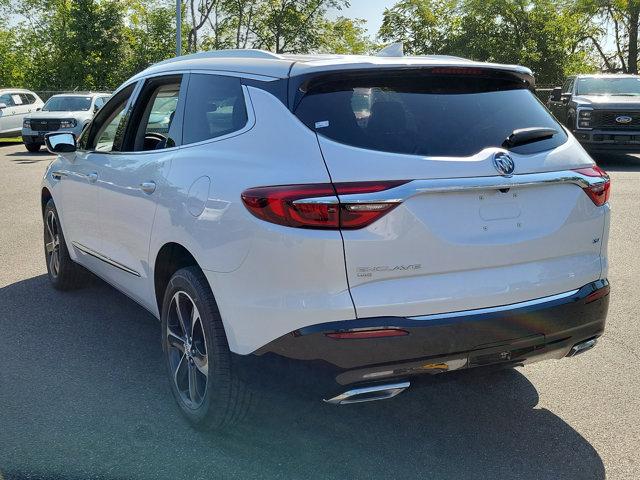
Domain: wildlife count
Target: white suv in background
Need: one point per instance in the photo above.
(368, 219)
(69, 112)
(15, 104)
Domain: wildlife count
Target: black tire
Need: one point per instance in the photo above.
(32, 147)
(224, 399)
(64, 273)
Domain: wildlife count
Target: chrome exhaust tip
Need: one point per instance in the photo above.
(582, 347)
(369, 394)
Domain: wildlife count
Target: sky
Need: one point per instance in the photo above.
(370, 10)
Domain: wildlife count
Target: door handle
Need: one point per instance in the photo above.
(148, 187)
(92, 177)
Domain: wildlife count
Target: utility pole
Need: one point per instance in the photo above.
(178, 28)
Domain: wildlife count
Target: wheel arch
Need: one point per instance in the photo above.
(170, 258)
(45, 196)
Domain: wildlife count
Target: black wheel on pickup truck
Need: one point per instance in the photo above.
(32, 147)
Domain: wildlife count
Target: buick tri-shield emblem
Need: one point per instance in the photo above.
(504, 164)
(623, 119)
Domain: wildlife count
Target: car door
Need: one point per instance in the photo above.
(21, 109)
(7, 115)
(132, 181)
(561, 107)
(80, 174)
(448, 237)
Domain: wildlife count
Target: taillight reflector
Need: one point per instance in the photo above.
(598, 294)
(317, 205)
(359, 334)
(599, 193)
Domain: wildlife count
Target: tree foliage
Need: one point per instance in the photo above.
(546, 35)
(96, 44)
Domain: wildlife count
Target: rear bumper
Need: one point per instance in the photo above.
(513, 334)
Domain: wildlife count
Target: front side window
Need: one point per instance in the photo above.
(153, 120)
(67, 104)
(214, 107)
(107, 129)
(424, 114)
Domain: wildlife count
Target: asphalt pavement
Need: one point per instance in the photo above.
(83, 392)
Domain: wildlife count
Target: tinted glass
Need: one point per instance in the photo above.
(108, 126)
(155, 113)
(425, 114)
(67, 104)
(214, 107)
(6, 99)
(625, 86)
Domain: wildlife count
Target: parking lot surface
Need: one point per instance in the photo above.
(83, 392)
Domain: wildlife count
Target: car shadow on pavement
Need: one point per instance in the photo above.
(83, 394)
(617, 162)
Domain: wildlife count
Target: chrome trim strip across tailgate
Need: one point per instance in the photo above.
(440, 185)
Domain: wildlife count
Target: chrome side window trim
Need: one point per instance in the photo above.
(104, 258)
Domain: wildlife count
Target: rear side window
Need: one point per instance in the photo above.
(425, 114)
(214, 107)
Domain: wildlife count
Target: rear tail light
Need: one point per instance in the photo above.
(598, 193)
(317, 205)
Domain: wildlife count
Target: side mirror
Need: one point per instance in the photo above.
(556, 94)
(95, 108)
(3, 106)
(60, 142)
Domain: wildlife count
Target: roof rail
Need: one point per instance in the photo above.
(230, 53)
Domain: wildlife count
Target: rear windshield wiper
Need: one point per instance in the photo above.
(523, 136)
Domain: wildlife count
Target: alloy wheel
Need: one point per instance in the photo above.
(187, 350)
(52, 243)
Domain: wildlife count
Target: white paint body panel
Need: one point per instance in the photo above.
(270, 280)
(471, 249)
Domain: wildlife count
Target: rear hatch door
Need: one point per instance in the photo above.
(465, 233)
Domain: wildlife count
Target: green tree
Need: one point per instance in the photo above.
(346, 36)
(615, 20)
(292, 26)
(547, 36)
(423, 26)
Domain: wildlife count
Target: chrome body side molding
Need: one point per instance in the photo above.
(105, 259)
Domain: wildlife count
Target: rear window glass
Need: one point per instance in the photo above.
(215, 107)
(424, 114)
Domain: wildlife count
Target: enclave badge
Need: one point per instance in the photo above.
(504, 164)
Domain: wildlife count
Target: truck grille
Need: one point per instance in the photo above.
(607, 119)
(45, 125)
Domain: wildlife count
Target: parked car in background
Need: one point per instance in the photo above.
(368, 219)
(15, 104)
(69, 112)
(602, 111)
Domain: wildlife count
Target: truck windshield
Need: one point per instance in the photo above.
(625, 86)
(67, 104)
(425, 114)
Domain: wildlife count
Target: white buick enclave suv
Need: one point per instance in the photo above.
(371, 219)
